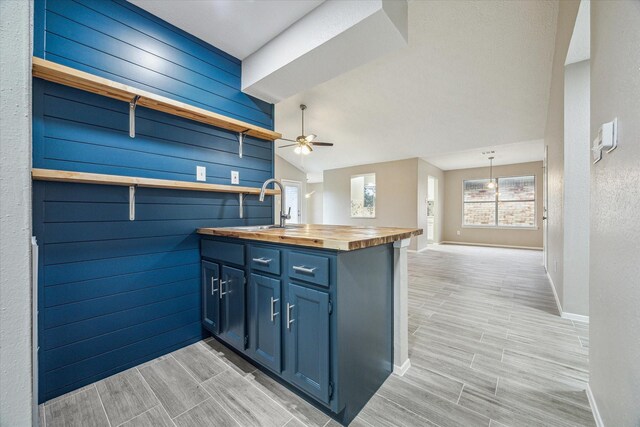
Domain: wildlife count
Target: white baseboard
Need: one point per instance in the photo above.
(555, 294)
(564, 314)
(533, 248)
(418, 251)
(576, 317)
(594, 407)
(401, 370)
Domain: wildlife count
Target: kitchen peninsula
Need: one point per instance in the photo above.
(321, 307)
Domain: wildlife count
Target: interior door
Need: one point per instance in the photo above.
(307, 322)
(211, 296)
(293, 200)
(232, 293)
(265, 320)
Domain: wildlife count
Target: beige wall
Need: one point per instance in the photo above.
(285, 170)
(554, 140)
(489, 236)
(396, 195)
(614, 345)
(315, 203)
(426, 169)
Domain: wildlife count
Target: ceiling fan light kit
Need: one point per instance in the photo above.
(304, 143)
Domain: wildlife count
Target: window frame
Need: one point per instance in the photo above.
(496, 201)
(375, 200)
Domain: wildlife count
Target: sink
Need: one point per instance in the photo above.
(263, 227)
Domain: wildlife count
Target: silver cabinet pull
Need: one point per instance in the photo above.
(223, 282)
(262, 260)
(213, 279)
(289, 319)
(303, 269)
(273, 308)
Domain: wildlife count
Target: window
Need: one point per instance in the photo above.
(512, 203)
(363, 196)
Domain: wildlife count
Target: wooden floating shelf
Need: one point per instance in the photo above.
(68, 76)
(128, 181)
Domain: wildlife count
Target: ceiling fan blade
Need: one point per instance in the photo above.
(323, 144)
(288, 145)
(310, 137)
(286, 139)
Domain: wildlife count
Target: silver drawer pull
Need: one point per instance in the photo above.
(289, 319)
(303, 269)
(262, 260)
(223, 282)
(213, 279)
(273, 308)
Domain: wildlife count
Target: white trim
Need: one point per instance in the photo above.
(418, 251)
(576, 317)
(555, 294)
(401, 370)
(565, 314)
(594, 407)
(449, 242)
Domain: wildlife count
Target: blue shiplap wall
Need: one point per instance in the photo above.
(114, 293)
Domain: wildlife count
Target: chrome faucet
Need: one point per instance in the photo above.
(283, 216)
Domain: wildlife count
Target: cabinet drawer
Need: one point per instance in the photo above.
(265, 259)
(223, 251)
(310, 268)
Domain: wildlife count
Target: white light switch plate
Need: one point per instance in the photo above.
(201, 173)
(235, 177)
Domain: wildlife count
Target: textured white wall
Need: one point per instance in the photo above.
(575, 298)
(315, 203)
(554, 139)
(15, 212)
(614, 308)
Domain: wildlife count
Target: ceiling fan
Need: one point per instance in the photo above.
(304, 143)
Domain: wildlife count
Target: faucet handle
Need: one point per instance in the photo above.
(288, 214)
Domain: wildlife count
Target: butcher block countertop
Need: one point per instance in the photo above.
(338, 237)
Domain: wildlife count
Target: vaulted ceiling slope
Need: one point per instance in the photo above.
(474, 75)
(235, 26)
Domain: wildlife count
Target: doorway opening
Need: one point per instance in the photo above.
(293, 200)
(432, 208)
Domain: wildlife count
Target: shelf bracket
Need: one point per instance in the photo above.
(132, 116)
(241, 136)
(241, 204)
(132, 203)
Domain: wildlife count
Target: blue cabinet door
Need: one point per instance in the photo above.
(307, 340)
(232, 291)
(265, 326)
(211, 296)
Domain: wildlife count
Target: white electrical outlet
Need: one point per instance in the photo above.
(201, 173)
(458, 232)
(235, 177)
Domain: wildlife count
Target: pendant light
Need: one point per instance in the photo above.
(491, 183)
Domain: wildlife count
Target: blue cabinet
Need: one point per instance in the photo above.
(232, 297)
(265, 324)
(307, 340)
(211, 296)
(319, 320)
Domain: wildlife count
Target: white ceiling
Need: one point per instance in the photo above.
(237, 27)
(507, 154)
(475, 75)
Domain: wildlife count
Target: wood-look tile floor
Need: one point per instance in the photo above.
(487, 348)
